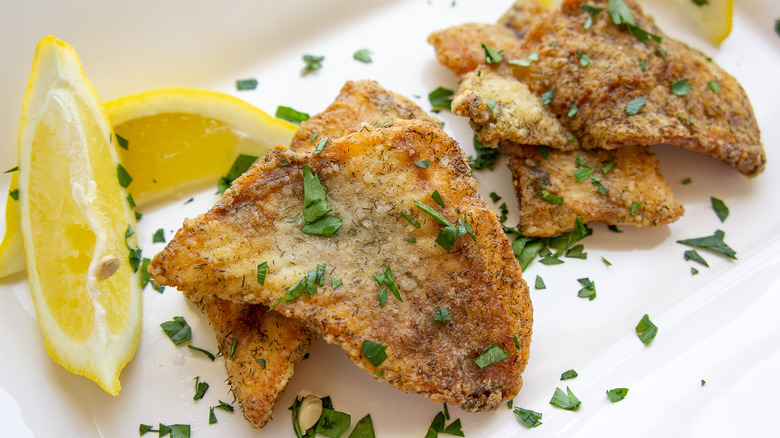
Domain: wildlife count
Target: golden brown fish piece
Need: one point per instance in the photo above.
(370, 178)
(260, 349)
(622, 187)
(611, 90)
(459, 48)
(358, 102)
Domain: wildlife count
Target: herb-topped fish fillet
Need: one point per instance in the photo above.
(381, 245)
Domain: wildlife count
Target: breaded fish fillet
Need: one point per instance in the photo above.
(370, 178)
(621, 91)
(622, 187)
(260, 349)
(358, 102)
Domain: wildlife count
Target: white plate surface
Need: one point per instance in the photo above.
(720, 326)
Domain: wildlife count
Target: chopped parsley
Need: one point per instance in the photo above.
(577, 252)
(374, 352)
(332, 423)
(547, 97)
(549, 197)
(411, 220)
(233, 348)
(617, 394)
(241, 164)
(246, 84)
(486, 156)
(584, 59)
(315, 207)
(713, 243)
(124, 178)
(544, 151)
(321, 143)
(565, 400)
(646, 330)
(592, 12)
(720, 208)
(441, 98)
(588, 289)
(572, 111)
(441, 315)
(492, 56)
(363, 428)
(177, 330)
(570, 374)
(262, 270)
(526, 249)
(439, 425)
(386, 279)
(158, 236)
(539, 283)
(203, 351)
(532, 57)
(306, 285)
(222, 405)
(449, 232)
(437, 197)
(200, 389)
(174, 430)
(335, 282)
(121, 141)
(134, 256)
(686, 181)
(494, 197)
(777, 26)
(423, 163)
(681, 87)
(291, 115)
(635, 105)
(363, 55)
(528, 417)
(635, 206)
(491, 355)
(713, 86)
(130, 200)
(313, 63)
(14, 194)
(606, 262)
(599, 186)
(621, 15)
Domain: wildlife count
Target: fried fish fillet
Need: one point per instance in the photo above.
(625, 92)
(371, 178)
(622, 187)
(358, 102)
(260, 349)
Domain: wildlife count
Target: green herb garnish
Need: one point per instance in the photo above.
(486, 156)
(423, 163)
(492, 56)
(374, 352)
(635, 206)
(635, 105)
(363, 428)
(315, 207)
(720, 208)
(617, 394)
(646, 330)
(588, 289)
(291, 115)
(539, 283)
(205, 352)
(713, 243)
(570, 374)
(592, 12)
(713, 86)
(411, 220)
(441, 315)
(121, 141)
(200, 389)
(386, 279)
(177, 330)
(242, 163)
(262, 270)
(552, 199)
(438, 425)
(246, 84)
(527, 416)
(124, 178)
(565, 400)
(681, 87)
(547, 97)
(572, 111)
(14, 194)
(313, 63)
(584, 60)
(441, 98)
(363, 55)
(491, 355)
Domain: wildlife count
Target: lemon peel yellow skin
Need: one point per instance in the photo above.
(73, 214)
(180, 138)
(12, 246)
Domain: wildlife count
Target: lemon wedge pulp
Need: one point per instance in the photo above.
(76, 223)
(178, 138)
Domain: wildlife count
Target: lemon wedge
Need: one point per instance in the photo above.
(12, 246)
(715, 18)
(76, 223)
(178, 138)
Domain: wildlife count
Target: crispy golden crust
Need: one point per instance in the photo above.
(258, 334)
(635, 177)
(720, 124)
(358, 102)
(370, 178)
(459, 48)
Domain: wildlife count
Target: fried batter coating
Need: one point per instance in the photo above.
(370, 178)
(599, 70)
(358, 102)
(635, 193)
(278, 343)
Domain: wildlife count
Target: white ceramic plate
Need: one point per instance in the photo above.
(718, 327)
